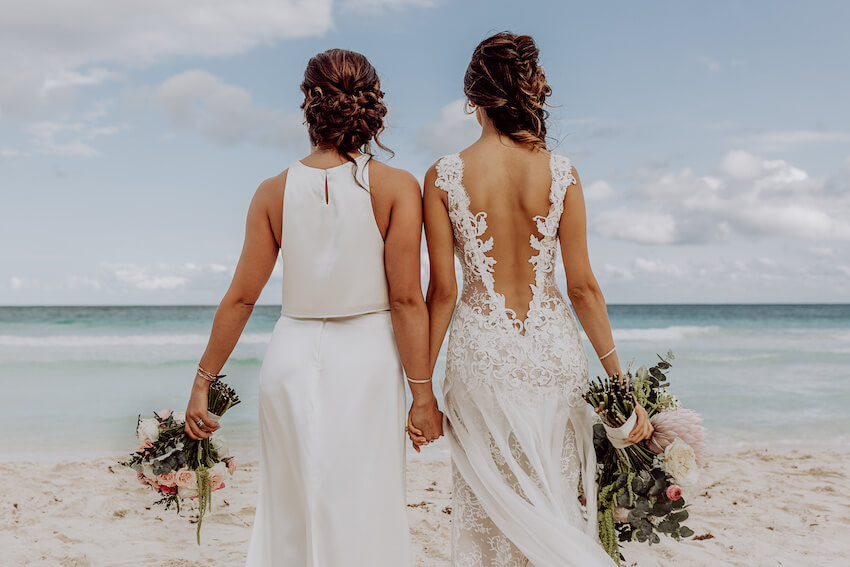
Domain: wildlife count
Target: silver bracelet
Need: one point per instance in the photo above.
(607, 354)
(419, 381)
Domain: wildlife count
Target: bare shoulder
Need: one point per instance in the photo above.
(400, 183)
(273, 186)
(431, 174)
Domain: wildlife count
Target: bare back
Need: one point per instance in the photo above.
(513, 188)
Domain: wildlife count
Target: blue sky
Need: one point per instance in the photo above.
(713, 139)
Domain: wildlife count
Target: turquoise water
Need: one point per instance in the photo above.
(74, 378)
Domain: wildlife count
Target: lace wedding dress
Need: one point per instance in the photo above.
(520, 433)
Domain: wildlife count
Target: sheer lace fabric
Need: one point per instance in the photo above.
(520, 433)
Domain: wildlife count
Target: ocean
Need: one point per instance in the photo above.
(74, 379)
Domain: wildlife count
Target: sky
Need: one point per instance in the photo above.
(712, 139)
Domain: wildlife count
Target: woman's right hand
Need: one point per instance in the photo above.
(424, 423)
(643, 429)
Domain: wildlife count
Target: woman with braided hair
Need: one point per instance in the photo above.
(353, 323)
(520, 433)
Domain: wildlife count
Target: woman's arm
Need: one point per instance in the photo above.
(442, 286)
(586, 295)
(259, 254)
(407, 306)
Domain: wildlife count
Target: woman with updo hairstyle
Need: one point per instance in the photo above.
(521, 436)
(353, 324)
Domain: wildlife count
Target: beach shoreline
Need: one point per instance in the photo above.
(754, 508)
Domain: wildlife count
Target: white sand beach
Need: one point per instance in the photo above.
(756, 508)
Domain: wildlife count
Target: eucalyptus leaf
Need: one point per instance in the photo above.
(685, 531)
(667, 526)
(679, 516)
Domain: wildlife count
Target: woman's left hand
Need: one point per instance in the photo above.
(643, 428)
(198, 425)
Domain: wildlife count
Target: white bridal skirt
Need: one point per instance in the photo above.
(332, 446)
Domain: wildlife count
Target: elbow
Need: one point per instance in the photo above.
(584, 293)
(442, 294)
(240, 302)
(406, 302)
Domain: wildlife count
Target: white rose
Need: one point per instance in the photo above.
(179, 416)
(147, 470)
(148, 429)
(187, 491)
(642, 373)
(219, 443)
(681, 463)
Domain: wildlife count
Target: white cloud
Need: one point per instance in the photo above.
(749, 196)
(51, 46)
(8, 153)
(67, 138)
(739, 164)
(781, 140)
(384, 4)
(453, 131)
(710, 63)
(598, 191)
(654, 267)
(644, 227)
(140, 277)
(160, 277)
(611, 271)
(198, 101)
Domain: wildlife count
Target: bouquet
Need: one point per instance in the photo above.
(177, 466)
(642, 487)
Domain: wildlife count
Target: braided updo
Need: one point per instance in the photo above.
(343, 102)
(505, 79)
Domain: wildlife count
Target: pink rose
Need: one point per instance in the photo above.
(231, 466)
(167, 479)
(142, 479)
(185, 477)
(219, 487)
(674, 492)
(621, 515)
(163, 414)
(146, 444)
(216, 479)
(168, 489)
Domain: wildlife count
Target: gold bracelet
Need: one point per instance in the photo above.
(419, 381)
(209, 376)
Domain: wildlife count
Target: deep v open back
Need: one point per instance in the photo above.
(520, 434)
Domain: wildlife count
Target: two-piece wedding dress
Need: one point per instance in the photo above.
(332, 409)
(520, 433)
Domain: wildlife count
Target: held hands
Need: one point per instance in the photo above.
(424, 423)
(643, 428)
(198, 425)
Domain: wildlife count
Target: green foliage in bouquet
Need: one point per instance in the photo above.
(173, 450)
(632, 480)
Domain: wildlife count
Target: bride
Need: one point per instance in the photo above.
(331, 410)
(520, 433)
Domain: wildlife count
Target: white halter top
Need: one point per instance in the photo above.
(332, 250)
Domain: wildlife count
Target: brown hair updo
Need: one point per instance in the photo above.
(343, 102)
(505, 80)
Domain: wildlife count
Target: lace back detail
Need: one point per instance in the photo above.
(549, 325)
(472, 250)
